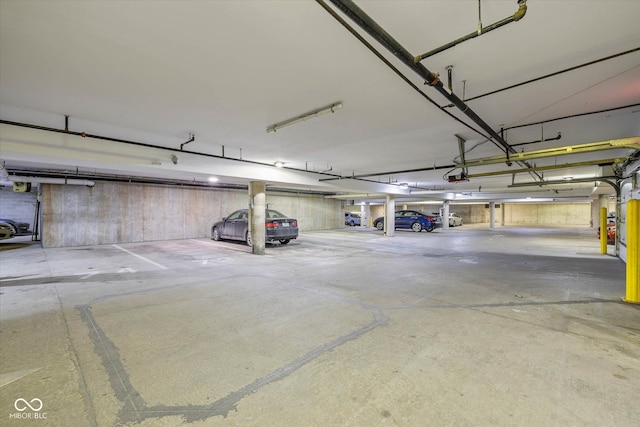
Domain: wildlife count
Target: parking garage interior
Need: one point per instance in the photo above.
(128, 130)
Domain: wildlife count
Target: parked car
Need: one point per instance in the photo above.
(279, 228)
(351, 219)
(17, 228)
(454, 220)
(6, 231)
(412, 220)
(611, 230)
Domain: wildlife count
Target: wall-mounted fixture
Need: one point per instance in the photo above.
(279, 164)
(315, 113)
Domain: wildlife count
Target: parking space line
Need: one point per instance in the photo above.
(141, 257)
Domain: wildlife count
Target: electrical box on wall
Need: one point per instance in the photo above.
(21, 187)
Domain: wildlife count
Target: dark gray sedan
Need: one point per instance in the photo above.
(279, 228)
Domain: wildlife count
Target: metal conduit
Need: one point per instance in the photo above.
(522, 10)
(365, 22)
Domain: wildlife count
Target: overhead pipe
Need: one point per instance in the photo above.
(522, 10)
(365, 22)
(554, 74)
(601, 162)
(173, 150)
(143, 144)
(611, 180)
(631, 143)
(540, 140)
(192, 138)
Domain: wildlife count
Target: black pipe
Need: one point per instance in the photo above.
(373, 29)
(572, 116)
(432, 168)
(394, 69)
(193, 138)
(540, 140)
(522, 9)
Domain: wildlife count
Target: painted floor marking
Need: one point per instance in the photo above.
(141, 257)
(14, 376)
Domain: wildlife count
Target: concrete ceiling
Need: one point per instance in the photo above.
(224, 71)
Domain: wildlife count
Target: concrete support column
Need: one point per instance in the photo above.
(445, 214)
(365, 214)
(492, 214)
(390, 217)
(633, 252)
(257, 216)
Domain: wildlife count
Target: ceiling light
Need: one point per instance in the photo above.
(279, 164)
(213, 179)
(330, 109)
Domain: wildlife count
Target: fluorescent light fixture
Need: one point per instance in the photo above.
(330, 109)
(279, 164)
(213, 179)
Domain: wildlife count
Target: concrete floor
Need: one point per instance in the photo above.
(466, 327)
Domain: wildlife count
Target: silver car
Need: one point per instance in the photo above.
(454, 220)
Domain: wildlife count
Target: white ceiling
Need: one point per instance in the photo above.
(155, 72)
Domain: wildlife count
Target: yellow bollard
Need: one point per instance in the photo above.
(633, 252)
(603, 230)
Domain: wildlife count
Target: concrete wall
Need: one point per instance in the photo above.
(561, 214)
(119, 212)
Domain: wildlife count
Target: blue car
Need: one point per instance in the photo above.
(411, 220)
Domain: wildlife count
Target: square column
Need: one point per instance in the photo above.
(257, 216)
(390, 217)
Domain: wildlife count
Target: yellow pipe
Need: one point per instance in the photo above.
(603, 230)
(633, 252)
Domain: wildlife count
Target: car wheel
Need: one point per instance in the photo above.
(215, 233)
(352, 223)
(417, 227)
(285, 241)
(379, 225)
(247, 238)
(430, 228)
